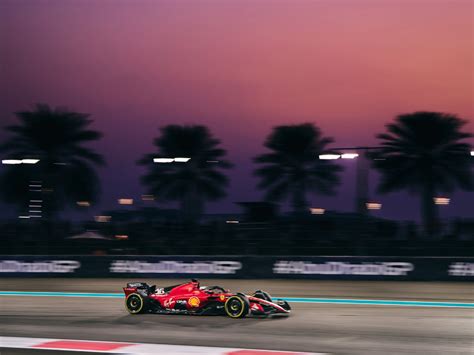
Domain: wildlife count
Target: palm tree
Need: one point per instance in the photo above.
(192, 182)
(424, 152)
(293, 167)
(65, 172)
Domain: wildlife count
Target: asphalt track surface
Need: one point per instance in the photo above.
(331, 328)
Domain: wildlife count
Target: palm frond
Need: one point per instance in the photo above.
(424, 148)
(55, 136)
(292, 164)
(201, 176)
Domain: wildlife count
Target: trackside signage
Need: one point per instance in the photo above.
(343, 268)
(43, 266)
(175, 267)
(461, 269)
(241, 267)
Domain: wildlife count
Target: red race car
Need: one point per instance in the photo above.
(191, 298)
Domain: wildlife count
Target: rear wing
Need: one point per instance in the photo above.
(141, 287)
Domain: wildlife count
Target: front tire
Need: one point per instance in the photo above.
(237, 306)
(285, 305)
(263, 295)
(135, 303)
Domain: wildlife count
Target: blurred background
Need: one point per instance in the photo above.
(51, 189)
(339, 128)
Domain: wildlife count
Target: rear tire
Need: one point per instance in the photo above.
(237, 306)
(135, 303)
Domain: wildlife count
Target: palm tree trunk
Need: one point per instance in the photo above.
(299, 203)
(429, 211)
(184, 207)
(191, 206)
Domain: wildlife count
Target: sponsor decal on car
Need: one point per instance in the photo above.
(194, 301)
(175, 267)
(397, 268)
(42, 266)
(160, 291)
(255, 307)
(169, 303)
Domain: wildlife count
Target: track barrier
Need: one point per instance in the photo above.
(245, 267)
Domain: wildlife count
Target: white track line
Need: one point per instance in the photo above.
(130, 348)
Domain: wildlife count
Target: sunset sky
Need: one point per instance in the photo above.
(239, 67)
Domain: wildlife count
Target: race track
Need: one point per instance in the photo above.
(331, 328)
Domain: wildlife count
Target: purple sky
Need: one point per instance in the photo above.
(240, 67)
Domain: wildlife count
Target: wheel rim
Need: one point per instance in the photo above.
(134, 304)
(235, 307)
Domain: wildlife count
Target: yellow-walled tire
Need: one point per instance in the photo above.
(236, 306)
(135, 303)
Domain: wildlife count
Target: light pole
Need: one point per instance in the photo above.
(19, 161)
(34, 186)
(362, 177)
(171, 160)
(362, 172)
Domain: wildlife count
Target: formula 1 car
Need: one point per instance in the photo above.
(191, 298)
